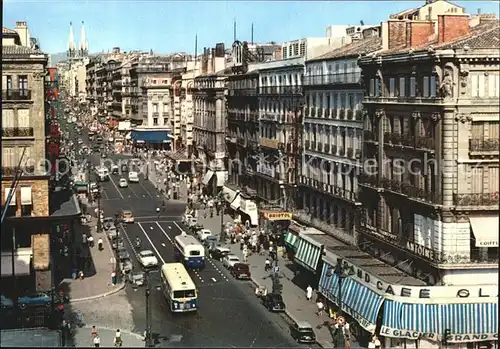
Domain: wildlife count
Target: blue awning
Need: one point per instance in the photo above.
(467, 322)
(308, 252)
(150, 136)
(359, 301)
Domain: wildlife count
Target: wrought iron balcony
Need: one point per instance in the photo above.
(334, 149)
(367, 179)
(350, 114)
(313, 112)
(420, 194)
(16, 95)
(307, 145)
(393, 138)
(306, 111)
(332, 79)
(341, 114)
(358, 115)
(424, 142)
(155, 114)
(17, 132)
(350, 152)
(484, 145)
(320, 112)
(391, 184)
(341, 151)
(327, 113)
(476, 199)
(326, 148)
(313, 145)
(8, 171)
(320, 147)
(407, 140)
(357, 154)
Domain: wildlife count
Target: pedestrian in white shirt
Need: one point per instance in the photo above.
(309, 292)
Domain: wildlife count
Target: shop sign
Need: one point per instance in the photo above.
(450, 293)
(220, 155)
(265, 170)
(248, 206)
(278, 216)
(454, 338)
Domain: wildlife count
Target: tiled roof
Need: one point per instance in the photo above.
(8, 31)
(354, 49)
(17, 50)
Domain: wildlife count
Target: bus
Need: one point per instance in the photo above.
(178, 288)
(189, 251)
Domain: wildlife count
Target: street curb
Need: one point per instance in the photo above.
(136, 335)
(287, 312)
(109, 293)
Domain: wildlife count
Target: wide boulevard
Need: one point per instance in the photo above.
(230, 314)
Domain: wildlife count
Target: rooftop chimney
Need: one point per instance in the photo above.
(418, 33)
(451, 27)
(24, 35)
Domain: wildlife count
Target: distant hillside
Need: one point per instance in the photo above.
(57, 57)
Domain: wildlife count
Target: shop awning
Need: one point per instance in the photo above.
(128, 135)
(485, 229)
(291, 240)
(151, 136)
(12, 199)
(221, 178)
(254, 218)
(22, 262)
(467, 322)
(308, 252)
(236, 202)
(359, 301)
(229, 194)
(26, 196)
(207, 177)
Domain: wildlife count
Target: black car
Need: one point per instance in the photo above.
(274, 302)
(124, 168)
(219, 252)
(302, 332)
(123, 254)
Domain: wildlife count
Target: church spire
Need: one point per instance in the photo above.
(71, 42)
(84, 45)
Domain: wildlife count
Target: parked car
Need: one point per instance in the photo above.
(126, 266)
(124, 167)
(35, 299)
(241, 271)
(185, 219)
(108, 222)
(196, 228)
(203, 234)
(123, 183)
(302, 332)
(133, 177)
(210, 241)
(219, 253)
(230, 260)
(193, 221)
(274, 302)
(112, 233)
(127, 216)
(123, 254)
(115, 169)
(147, 258)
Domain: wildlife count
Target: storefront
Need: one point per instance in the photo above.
(229, 194)
(214, 181)
(236, 203)
(249, 208)
(151, 139)
(308, 252)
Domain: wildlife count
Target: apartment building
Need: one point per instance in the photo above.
(26, 181)
(430, 196)
(333, 133)
(210, 89)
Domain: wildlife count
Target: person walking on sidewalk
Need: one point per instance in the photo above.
(94, 332)
(320, 306)
(97, 341)
(309, 292)
(118, 338)
(268, 265)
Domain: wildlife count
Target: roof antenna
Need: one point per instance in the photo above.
(195, 49)
(251, 41)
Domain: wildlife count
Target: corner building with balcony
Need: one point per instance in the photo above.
(31, 209)
(431, 181)
(333, 133)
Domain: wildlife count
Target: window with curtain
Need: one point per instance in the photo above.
(413, 86)
(372, 87)
(493, 175)
(402, 87)
(8, 118)
(23, 118)
(425, 86)
(493, 130)
(477, 180)
(392, 87)
(477, 130)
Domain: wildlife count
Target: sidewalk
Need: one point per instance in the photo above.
(97, 268)
(298, 308)
(153, 177)
(82, 338)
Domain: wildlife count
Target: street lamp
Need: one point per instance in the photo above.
(98, 197)
(220, 199)
(117, 226)
(342, 271)
(89, 168)
(148, 337)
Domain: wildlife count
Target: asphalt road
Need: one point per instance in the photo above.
(229, 316)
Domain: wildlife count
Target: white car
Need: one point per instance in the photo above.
(186, 218)
(148, 259)
(133, 177)
(230, 260)
(123, 183)
(203, 234)
(192, 222)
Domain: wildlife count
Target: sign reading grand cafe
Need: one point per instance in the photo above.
(403, 310)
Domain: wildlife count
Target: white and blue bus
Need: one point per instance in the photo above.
(189, 251)
(178, 288)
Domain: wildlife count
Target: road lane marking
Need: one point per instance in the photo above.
(213, 279)
(147, 191)
(198, 275)
(218, 270)
(116, 187)
(129, 241)
(106, 194)
(163, 244)
(133, 192)
(178, 227)
(151, 242)
(165, 233)
(148, 217)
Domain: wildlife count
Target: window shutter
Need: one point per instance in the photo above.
(402, 85)
(426, 86)
(493, 185)
(480, 85)
(493, 130)
(477, 180)
(372, 87)
(477, 130)
(473, 85)
(412, 86)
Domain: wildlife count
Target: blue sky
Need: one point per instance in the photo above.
(169, 26)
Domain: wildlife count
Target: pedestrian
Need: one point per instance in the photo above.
(320, 306)
(91, 241)
(97, 341)
(99, 244)
(94, 331)
(268, 265)
(84, 238)
(80, 275)
(118, 338)
(309, 292)
(374, 343)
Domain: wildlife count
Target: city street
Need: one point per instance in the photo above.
(229, 315)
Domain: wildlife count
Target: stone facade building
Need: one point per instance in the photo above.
(431, 135)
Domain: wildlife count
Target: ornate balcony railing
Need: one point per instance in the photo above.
(320, 112)
(358, 115)
(420, 193)
(16, 95)
(424, 142)
(332, 79)
(326, 148)
(327, 113)
(307, 145)
(341, 114)
(17, 132)
(341, 151)
(350, 152)
(476, 199)
(350, 114)
(11, 171)
(367, 179)
(369, 136)
(334, 149)
(357, 154)
(484, 145)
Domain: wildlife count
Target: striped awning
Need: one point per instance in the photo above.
(467, 322)
(291, 240)
(359, 301)
(308, 252)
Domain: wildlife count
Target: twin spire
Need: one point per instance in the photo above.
(83, 48)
